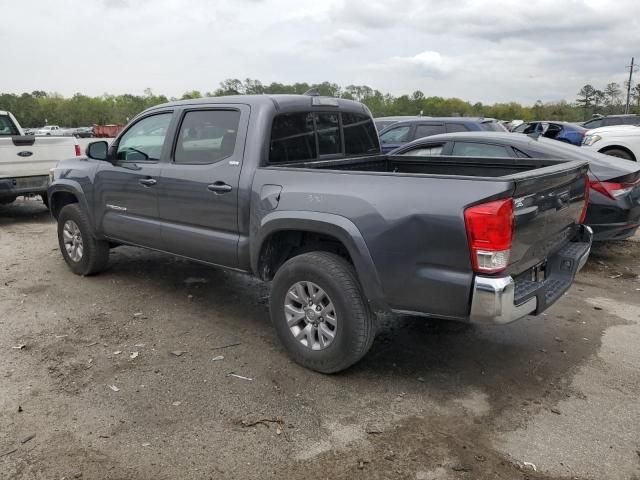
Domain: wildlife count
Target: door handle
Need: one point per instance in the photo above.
(219, 187)
(148, 182)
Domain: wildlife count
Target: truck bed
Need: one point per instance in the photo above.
(410, 212)
(432, 165)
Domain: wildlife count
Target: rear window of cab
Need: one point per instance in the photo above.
(304, 136)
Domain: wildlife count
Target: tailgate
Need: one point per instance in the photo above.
(547, 206)
(28, 156)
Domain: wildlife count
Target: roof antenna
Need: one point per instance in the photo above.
(313, 92)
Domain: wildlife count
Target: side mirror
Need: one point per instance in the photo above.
(98, 150)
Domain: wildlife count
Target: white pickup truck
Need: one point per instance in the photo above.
(50, 130)
(25, 160)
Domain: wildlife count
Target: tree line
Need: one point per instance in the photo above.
(40, 108)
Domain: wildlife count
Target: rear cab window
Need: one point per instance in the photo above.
(7, 127)
(311, 135)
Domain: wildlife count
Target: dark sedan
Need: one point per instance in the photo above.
(404, 131)
(614, 202)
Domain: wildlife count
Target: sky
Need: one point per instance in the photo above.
(477, 50)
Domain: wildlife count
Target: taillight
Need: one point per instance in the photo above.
(490, 232)
(78, 152)
(613, 190)
(587, 185)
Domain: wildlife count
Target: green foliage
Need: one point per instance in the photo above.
(39, 108)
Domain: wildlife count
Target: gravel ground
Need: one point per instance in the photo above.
(120, 376)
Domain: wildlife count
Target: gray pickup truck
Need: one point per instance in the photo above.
(294, 190)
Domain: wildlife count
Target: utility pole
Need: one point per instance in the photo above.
(630, 67)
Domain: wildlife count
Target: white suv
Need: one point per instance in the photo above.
(619, 141)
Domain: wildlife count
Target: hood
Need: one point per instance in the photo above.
(618, 130)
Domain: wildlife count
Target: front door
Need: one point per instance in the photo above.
(127, 189)
(198, 199)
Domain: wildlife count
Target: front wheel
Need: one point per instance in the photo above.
(616, 152)
(83, 253)
(319, 312)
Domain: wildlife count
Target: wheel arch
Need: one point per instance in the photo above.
(64, 193)
(618, 147)
(283, 235)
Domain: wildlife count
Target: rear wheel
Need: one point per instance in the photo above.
(319, 312)
(617, 152)
(83, 253)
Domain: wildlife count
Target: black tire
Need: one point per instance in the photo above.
(356, 326)
(95, 255)
(45, 199)
(617, 152)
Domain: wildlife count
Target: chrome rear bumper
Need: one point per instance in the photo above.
(496, 300)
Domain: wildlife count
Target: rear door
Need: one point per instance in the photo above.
(127, 191)
(198, 202)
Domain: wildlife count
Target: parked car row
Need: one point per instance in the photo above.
(614, 200)
(57, 131)
(404, 131)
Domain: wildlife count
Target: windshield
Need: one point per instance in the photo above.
(7, 127)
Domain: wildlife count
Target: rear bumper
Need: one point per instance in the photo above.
(14, 187)
(500, 300)
(614, 231)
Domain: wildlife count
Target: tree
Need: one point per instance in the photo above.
(612, 97)
(585, 99)
(191, 94)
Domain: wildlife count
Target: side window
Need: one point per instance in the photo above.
(6, 126)
(398, 134)
(328, 128)
(456, 127)
(531, 128)
(144, 140)
(467, 149)
(360, 136)
(207, 136)
(425, 151)
(521, 128)
(428, 130)
(292, 138)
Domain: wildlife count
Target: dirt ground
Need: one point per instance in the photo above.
(119, 376)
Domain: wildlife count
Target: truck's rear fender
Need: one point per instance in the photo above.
(264, 263)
